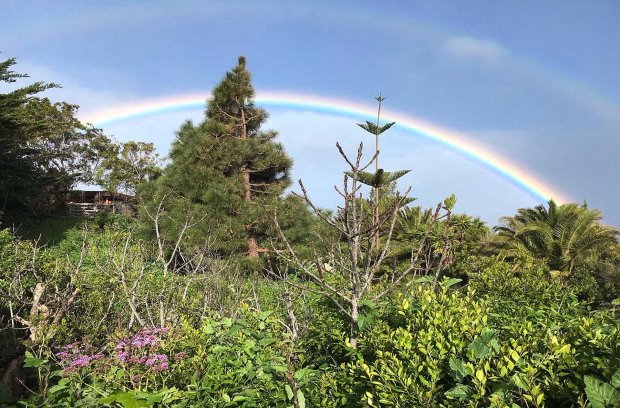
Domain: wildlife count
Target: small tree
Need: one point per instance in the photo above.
(345, 273)
(226, 171)
(379, 180)
(127, 166)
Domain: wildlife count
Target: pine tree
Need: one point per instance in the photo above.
(226, 174)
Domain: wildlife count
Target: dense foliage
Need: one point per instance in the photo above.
(561, 235)
(378, 304)
(45, 151)
(226, 175)
(44, 148)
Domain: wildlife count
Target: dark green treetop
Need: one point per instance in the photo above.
(226, 174)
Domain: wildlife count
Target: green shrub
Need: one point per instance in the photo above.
(453, 349)
(224, 362)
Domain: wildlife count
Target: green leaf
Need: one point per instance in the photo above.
(208, 329)
(264, 315)
(301, 399)
(158, 397)
(458, 368)
(460, 392)
(126, 399)
(267, 341)
(32, 361)
(449, 202)
(368, 127)
(386, 127)
(365, 319)
(481, 346)
(56, 388)
(373, 128)
(423, 279)
(379, 179)
(599, 393)
(303, 373)
(368, 303)
(520, 382)
(107, 399)
(279, 368)
(289, 392)
(615, 379)
(446, 283)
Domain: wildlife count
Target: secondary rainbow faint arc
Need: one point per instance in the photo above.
(457, 141)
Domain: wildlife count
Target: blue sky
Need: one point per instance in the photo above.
(535, 81)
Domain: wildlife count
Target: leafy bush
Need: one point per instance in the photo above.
(224, 362)
(453, 348)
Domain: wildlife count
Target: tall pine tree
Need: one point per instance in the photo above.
(226, 174)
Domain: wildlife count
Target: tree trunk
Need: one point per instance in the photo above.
(376, 214)
(247, 193)
(247, 196)
(355, 314)
(39, 314)
(252, 247)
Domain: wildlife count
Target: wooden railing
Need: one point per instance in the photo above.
(88, 209)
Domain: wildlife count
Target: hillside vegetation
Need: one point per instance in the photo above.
(224, 291)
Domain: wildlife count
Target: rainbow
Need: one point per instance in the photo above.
(456, 141)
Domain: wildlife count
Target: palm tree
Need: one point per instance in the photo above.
(560, 235)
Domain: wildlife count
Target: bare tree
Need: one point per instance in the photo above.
(37, 302)
(346, 272)
(42, 307)
(157, 277)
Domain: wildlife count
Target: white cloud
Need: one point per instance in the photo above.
(89, 98)
(474, 48)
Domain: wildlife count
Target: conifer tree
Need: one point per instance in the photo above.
(382, 182)
(226, 174)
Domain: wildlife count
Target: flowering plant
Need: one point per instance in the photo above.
(141, 350)
(75, 356)
(135, 357)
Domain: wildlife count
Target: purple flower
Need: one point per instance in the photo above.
(160, 367)
(75, 356)
(160, 330)
(122, 356)
(82, 361)
(141, 341)
(156, 358)
(138, 340)
(139, 349)
(63, 355)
